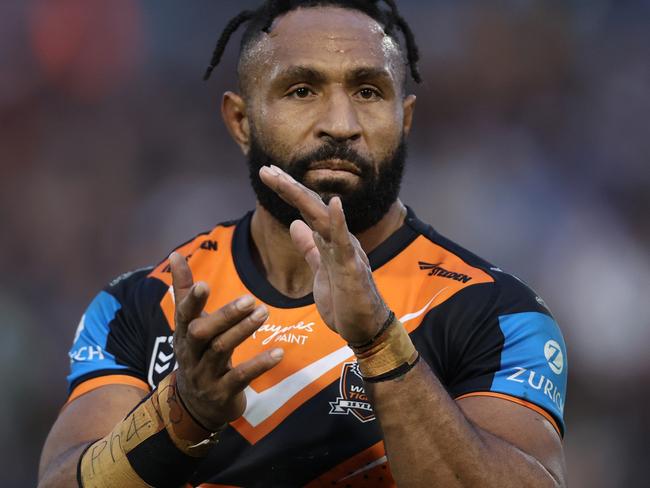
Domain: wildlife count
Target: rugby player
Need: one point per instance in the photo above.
(329, 337)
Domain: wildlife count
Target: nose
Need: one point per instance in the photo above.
(339, 120)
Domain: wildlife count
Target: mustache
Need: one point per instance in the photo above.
(342, 151)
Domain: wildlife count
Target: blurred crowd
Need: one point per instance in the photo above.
(531, 147)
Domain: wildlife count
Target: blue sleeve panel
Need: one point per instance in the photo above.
(533, 362)
(88, 353)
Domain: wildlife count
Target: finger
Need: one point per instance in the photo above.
(182, 279)
(359, 249)
(309, 203)
(191, 307)
(189, 298)
(325, 251)
(202, 331)
(324, 248)
(222, 346)
(303, 238)
(238, 378)
(343, 247)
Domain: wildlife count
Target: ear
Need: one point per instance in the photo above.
(409, 108)
(233, 111)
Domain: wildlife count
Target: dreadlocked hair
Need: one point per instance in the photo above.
(261, 20)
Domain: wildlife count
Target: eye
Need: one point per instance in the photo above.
(301, 92)
(369, 94)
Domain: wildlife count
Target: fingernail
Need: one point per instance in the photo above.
(260, 313)
(277, 353)
(270, 170)
(244, 303)
(198, 290)
(336, 202)
(275, 170)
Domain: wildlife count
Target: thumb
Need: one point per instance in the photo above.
(303, 239)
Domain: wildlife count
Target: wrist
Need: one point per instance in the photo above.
(157, 444)
(208, 425)
(363, 346)
(389, 355)
(190, 434)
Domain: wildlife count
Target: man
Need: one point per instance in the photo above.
(329, 337)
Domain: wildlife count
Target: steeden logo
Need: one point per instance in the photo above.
(437, 270)
(554, 356)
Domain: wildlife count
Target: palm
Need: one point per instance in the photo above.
(344, 290)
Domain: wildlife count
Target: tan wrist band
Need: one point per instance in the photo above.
(390, 355)
(157, 444)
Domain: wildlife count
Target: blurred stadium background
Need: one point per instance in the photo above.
(531, 146)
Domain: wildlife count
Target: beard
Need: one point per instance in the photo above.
(364, 204)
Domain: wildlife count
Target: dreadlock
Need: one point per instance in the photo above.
(261, 20)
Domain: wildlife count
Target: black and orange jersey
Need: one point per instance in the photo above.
(308, 421)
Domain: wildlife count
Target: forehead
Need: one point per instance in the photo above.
(326, 38)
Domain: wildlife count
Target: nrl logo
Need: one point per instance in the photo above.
(353, 399)
(163, 361)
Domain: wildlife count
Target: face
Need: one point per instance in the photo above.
(323, 99)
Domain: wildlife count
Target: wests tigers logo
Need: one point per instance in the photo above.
(353, 399)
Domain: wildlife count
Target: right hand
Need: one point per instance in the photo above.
(211, 389)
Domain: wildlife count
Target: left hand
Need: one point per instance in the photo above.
(344, 290)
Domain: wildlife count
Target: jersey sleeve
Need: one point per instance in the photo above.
(501, 341)
(108, 346)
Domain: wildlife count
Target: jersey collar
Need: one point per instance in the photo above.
(256, 282)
